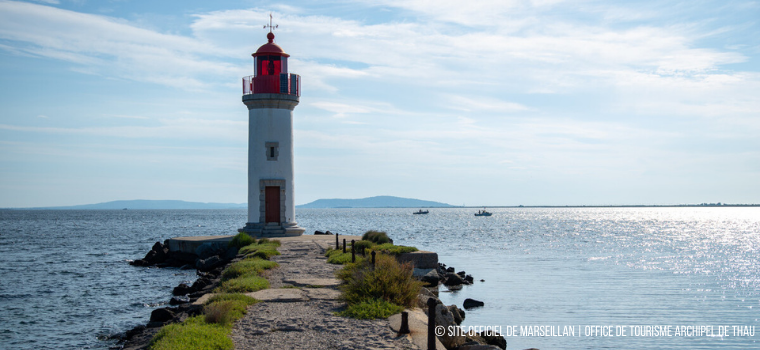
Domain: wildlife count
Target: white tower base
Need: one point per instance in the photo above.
(271, 208)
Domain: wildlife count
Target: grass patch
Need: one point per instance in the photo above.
(195, 334)
(263, 249)
(370, 309)
(337, 256)
(368, 290)
(244, 284)
(227, 308)
(233, 296)
(242, 239)
(378, 237)
(247, 267)
(366, 244)
(389, 248)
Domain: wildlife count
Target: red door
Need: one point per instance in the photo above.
(272, 206)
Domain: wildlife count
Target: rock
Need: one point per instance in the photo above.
(423, 297)
(183, 257)
(471, 303)
(462, 274)
(182, 289)
(482, 280)
(456, 313)
(230, 253)
(477, 347)
(208, 264)
(495, 339)
(468, 279)
(445, 319)
(453, 279)
(329, 233)
(201, 283)
(179, 300)
(161, 315)
(431, 278)
(187, 267)
(319, 233)
(139, 262)
(450, 269)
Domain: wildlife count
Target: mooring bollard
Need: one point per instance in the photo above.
(353, 252)
(404, 329)
(373, 259)
(344, 245)
(337, 245)
(431, 324)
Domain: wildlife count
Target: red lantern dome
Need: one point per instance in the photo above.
(270, 71)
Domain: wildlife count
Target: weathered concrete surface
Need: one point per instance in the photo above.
(420, 259)
(322, 293)
(319, 282)
(310, 324)
(190, 244)
(287, 295)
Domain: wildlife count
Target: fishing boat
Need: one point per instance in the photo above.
(483, 213)
(421, 212)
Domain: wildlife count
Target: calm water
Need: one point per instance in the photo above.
(66, 283)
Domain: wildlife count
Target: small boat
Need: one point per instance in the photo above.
(421, 212)
(483, 213)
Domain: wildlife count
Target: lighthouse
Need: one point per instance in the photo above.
(271, 94)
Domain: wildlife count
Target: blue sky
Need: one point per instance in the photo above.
(478, 103)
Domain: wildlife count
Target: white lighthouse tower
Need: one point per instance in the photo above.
(271, 94)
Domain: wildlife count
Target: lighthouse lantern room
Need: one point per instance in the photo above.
(271, 94)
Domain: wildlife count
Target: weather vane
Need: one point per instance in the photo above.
(271, 27)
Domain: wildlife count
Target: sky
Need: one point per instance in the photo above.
(478, 103)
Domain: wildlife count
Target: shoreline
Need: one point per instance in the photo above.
(314, 246)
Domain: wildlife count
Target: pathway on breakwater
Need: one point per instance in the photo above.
(300, 315)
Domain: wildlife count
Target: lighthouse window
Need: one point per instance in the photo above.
(268, 65)
(272, 150)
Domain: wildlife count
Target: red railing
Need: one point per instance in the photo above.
(286, 83)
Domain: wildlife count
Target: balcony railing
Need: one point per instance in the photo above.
(285, 83)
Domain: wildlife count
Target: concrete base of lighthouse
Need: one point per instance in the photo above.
(272, 229)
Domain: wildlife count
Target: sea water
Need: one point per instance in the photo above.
(622, 278)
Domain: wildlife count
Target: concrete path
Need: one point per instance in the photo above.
(298, 309)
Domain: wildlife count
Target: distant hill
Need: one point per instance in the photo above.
(151, 204)
(374, 202)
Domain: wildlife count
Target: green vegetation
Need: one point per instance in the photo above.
(371, 309)
(208, 331)
(263, 249)
(227, 308)
(337, 256)
(363, 243)
(378, 237)
(211, 330)
(194, 333)
(389, 248)
(378, 291)
(242, 239)
(247, 267)
(245, 284)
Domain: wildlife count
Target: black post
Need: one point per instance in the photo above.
(353, 252)
(431, 324)
(404, 329)
(373, 259)
(337, 245)
(362, 251)
(344, 245)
